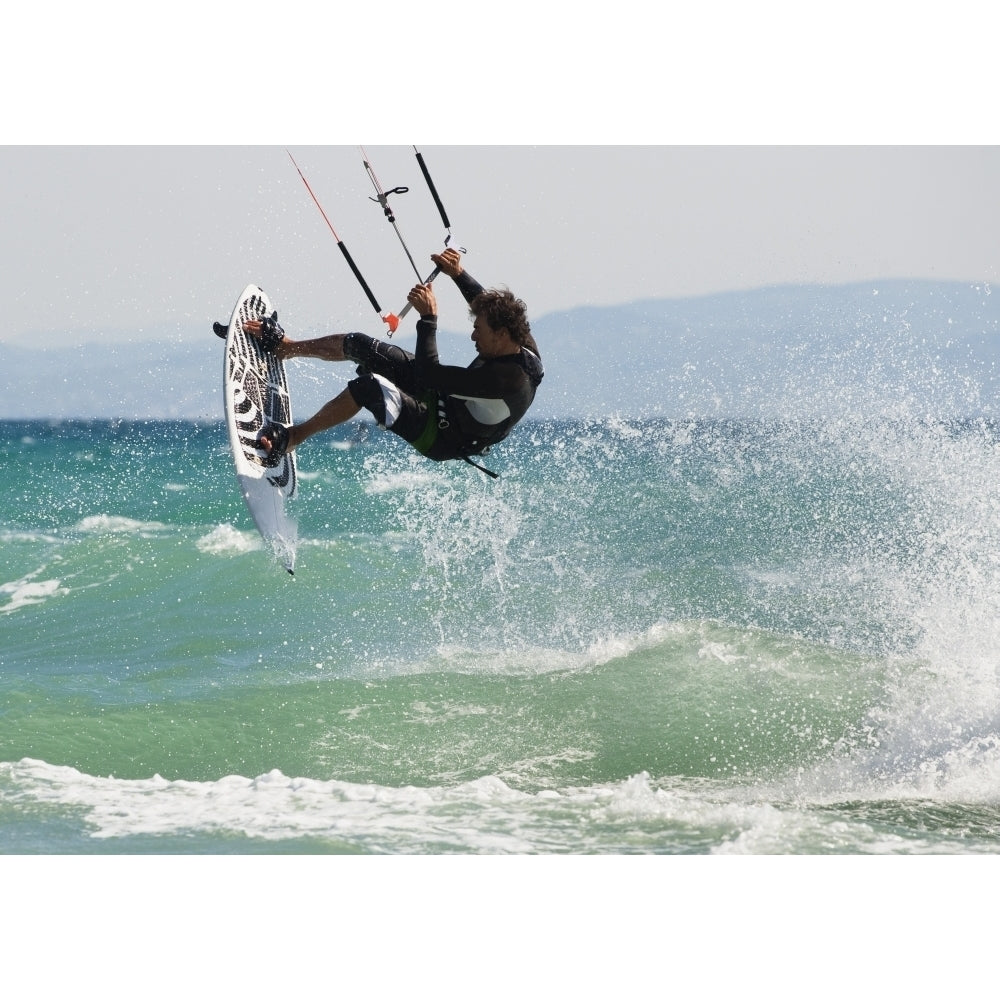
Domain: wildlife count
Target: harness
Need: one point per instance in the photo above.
(437, 421)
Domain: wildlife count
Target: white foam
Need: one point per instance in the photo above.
(27, 591)
(613, 647)
(402, 480)
(513, 662)
(531, 659)
(273, 806)
(109, 524)
(225, 540)
(969, 773)
(12, 536)
(482, 816)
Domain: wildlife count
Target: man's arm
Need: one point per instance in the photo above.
(450, 263)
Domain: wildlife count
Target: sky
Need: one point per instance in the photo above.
(144, 178)
(103, 243)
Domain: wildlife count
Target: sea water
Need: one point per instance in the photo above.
(646, 637)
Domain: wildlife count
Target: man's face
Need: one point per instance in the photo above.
(489, 342)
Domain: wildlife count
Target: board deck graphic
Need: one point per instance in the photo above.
(255, 390)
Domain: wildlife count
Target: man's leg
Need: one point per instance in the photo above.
(339, 409)
(330, 348)
(393, 361)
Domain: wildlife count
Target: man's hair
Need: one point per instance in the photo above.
(502, 309)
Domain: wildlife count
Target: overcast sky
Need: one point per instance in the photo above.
(129, 242)
(119, 241)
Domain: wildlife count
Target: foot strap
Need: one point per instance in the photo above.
(278, 435)
(271, 333)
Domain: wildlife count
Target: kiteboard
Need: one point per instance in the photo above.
(255, 390)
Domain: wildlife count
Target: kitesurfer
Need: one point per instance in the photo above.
(444, 411)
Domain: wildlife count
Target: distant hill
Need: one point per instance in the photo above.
(914, 348)
(906, 347)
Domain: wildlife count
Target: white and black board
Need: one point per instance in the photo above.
(256, 392)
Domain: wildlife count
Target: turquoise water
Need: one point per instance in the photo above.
(647, 637)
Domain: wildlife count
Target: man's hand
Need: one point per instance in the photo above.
(450, 262)
(422, 299)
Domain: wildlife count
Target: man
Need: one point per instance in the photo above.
(445, 412)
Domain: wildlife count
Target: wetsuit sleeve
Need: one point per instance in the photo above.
(427, 326)
(427, 349)
(468, 286)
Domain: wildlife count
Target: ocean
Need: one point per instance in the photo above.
(646, 637)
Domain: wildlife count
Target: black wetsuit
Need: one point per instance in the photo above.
(444, 411)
